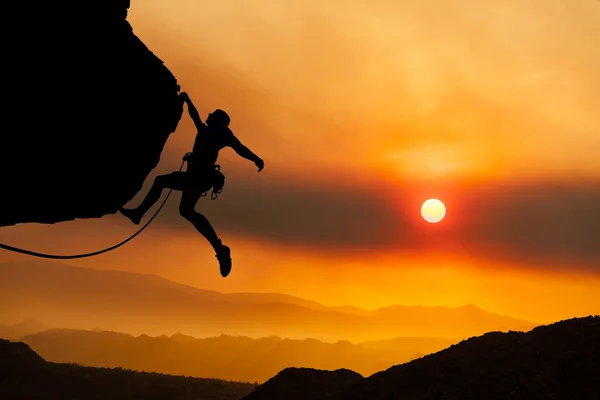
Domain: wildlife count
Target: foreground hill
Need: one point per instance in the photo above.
(83, 298)
(24, 375)
(559, 362)
(231, 358)
(305, 383)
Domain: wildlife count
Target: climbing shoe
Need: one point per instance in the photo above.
(224, 257)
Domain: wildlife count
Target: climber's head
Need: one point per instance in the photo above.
(218, 118)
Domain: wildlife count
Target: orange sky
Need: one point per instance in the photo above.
(362, 110)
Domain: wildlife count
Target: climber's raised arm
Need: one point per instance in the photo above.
(192, 111)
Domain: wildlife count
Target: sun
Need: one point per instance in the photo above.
(433, 211)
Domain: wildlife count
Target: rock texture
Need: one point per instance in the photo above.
(87, 110)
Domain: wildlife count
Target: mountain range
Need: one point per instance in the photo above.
(224, 357)
(83, 298)
(560, 361)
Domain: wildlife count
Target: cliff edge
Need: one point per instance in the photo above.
(88, 110)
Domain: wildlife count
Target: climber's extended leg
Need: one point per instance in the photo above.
(175, 180)
(189, 198)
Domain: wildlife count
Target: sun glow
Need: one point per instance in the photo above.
(433, 211)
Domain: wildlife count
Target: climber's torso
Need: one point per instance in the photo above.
(209, 141)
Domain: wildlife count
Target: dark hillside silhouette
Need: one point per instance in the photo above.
(560, 361)
(305, 383)
(87, 110)
(24, 375)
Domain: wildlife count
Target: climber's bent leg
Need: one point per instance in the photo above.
(189, 198)
(175, 180)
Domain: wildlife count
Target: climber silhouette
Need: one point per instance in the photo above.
(199, 176)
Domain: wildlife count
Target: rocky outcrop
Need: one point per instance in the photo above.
(87, 110)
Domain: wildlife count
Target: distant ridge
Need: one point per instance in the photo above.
(232, 358)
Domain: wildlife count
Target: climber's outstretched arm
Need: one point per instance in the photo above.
(246, 153)
(192, 111)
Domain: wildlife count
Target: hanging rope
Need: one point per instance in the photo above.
(95, 253)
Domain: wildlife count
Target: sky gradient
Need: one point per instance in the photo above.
(361, 111)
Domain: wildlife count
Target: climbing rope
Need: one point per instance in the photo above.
(95, 253)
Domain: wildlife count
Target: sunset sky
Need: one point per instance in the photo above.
(362, 110)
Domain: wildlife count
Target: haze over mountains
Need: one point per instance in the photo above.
(71, 297)
(224, 357)
(26, 327)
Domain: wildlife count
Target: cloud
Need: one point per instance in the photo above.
(475, 86)
(314, 214)
(535, 222)
(372, 78)
(546, 222)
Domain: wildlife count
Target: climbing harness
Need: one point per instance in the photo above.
(218, 179)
